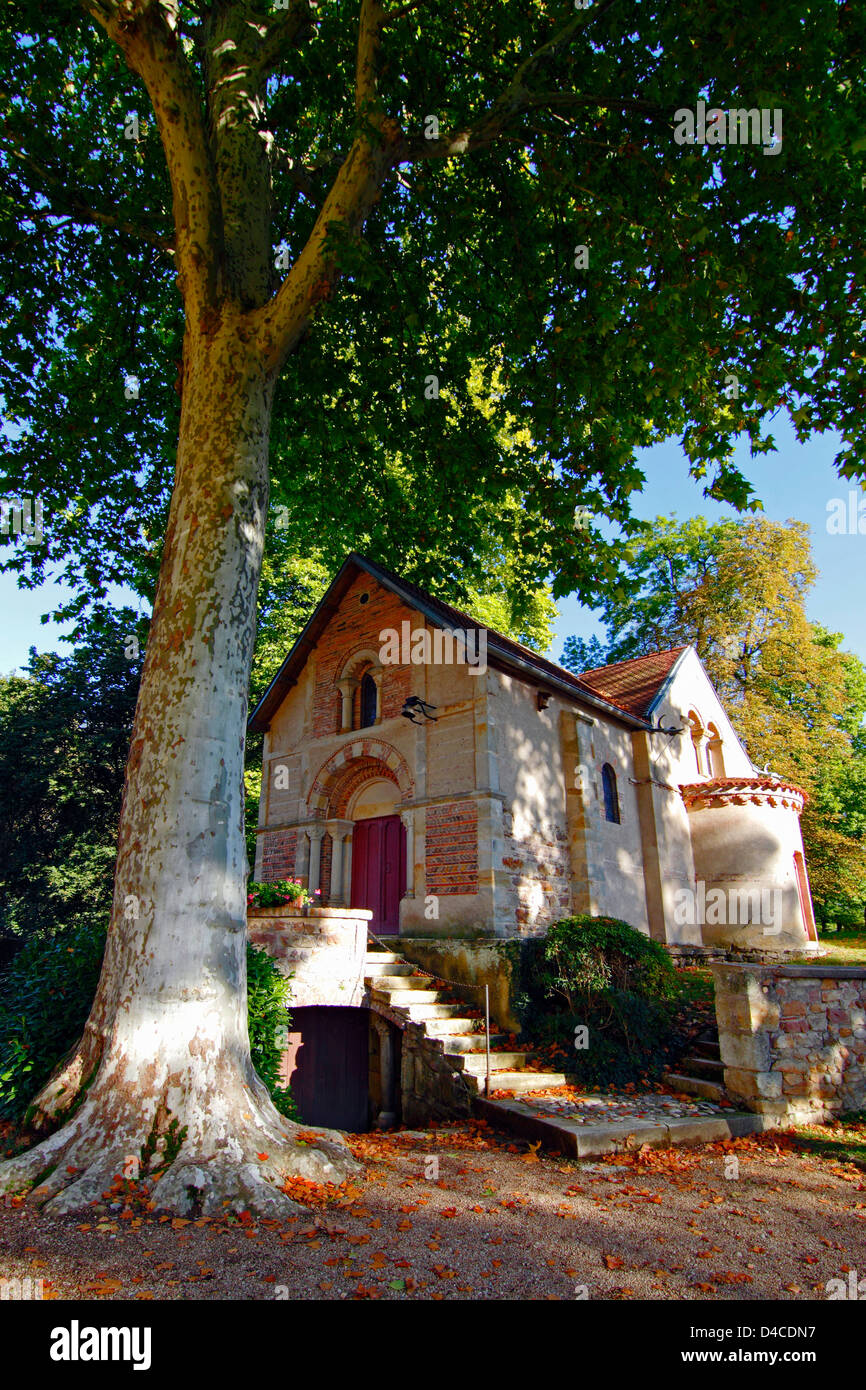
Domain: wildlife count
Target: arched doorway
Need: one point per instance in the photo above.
(378, 853)
(359, 795)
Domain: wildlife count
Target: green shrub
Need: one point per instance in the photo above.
(589, 956)
(45, 997)
(628, 1040)
(268, 992)
(603, 975)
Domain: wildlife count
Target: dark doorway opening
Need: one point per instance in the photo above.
(326, 1064)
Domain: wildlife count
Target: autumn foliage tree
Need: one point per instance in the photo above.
(737, 592)
(323, 226)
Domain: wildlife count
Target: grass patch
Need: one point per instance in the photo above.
(845, 948)
(694, 984)
(842, 1139)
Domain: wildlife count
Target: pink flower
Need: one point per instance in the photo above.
(317, 892)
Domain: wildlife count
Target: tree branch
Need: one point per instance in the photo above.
(286, 30)
(366, 75)
(392, 15)
(64, 205)
(375, 150)
(517, 98)
(491, 128)
(89, 217)
(144, 32)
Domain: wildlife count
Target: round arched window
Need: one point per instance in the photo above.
(369, 696)
(611, 797)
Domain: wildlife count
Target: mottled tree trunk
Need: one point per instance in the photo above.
(165, 1058)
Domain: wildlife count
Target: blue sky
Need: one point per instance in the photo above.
(798, 481)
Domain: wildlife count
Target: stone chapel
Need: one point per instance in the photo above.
(459, 786)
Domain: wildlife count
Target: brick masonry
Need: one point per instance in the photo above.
(355, 628)
(361, 771)
(452, 848)
(278, 855)
(793, 1038)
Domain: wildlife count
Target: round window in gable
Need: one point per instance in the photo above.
(365, 598)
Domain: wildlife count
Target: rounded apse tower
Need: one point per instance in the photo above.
(751, 886)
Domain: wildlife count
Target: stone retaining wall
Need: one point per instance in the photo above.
(793, 1038)
(323, 949)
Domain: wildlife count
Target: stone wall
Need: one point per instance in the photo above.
(793, 1038)
(323, 950)
(429, 1088)
(473, 963)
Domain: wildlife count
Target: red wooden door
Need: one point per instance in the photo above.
(379, 871)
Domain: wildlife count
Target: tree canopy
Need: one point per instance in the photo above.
(64, 740)
(523, 132)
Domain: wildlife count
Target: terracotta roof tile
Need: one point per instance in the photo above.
(632, 684)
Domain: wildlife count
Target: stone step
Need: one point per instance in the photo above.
(459, 1026)
(520, 1081)
(421, 1013)
(468, 1041)
(695, 1086)
(710, 1050)
(373, 969)
(712, 1068)
(575, 1140)
(402, 998)
(401, 982)
(476, 1062)
(383, 958)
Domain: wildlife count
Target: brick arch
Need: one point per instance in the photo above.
(364, 770)
(359, 656)
(349, 768)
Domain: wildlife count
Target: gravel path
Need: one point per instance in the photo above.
(500, 1220)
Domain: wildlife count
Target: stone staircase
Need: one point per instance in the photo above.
(702, 1072)
(396, 982)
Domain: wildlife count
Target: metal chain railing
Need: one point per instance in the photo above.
(388, 945)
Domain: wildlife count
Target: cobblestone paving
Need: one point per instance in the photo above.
(600, 1110)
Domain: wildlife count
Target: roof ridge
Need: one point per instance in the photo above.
(644, 656)
(528, 663)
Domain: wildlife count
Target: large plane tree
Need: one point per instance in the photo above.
(438, 266)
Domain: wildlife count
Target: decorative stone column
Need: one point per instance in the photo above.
(347, 688)
(302, 855)
(339, 830)
(387, 1115)
(316, 834)
(347, 866)
(408, 819)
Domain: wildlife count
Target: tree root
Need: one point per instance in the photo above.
(239, 1171)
